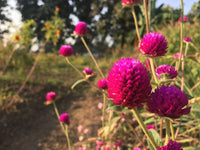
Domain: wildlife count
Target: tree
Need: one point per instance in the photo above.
(3, 17)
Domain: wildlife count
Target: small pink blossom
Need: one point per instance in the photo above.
(129, 2)
(80, 148)
(123, 119)
(107, 147)
(187, 39)
(88, 71)
(101, 118)
(80, 128)
(86, 131)
(102, 83)
(66, 50)
(184, 19)
(177, 55)
(134, 119)
(100, 105)
(137, 149)
(118, 143)
(99, 143)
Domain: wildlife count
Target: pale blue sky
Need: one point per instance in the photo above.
(177, 4)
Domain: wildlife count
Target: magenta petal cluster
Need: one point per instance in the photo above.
(153, 44)
(184, 19)
(166, 69)
(81, 28)
(103, 83)
(128, 83)
(88, 71)
(150, 126)
(137, 149)
(168, 101)
(118, 143)
(66, 50)
(172, 145)
(50, 96)
(187, 39)
(64, 118)
(129, 2)
(177, 55)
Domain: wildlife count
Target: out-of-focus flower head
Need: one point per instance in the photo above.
(57, 9)
(166, 69)
(81, 29)
(153, 45)
(172, 145)
(118, 143)
(50, 96)
(129, 83)
(184, 19)
(103, 83)
(47, 26)
(80, 128)
(100, 105)
(66, 50)
(150, 126)
(64, 118)
(85, 131)
(88, 71)
(187, 39)
(130, 2)
(16, 38)
(58, 32)
(137, 149)
(168, 101)
(177, 55)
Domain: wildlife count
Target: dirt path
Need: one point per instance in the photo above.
(34, 126)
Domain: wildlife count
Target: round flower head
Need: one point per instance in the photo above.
(150, 126)
(81, 28)
(50, 96)
(168, 101)
(129, 83)
(88, 71)
(184, 19)
(153, 44)
(129, 2)
(103, 83)
(66, 50)
(166, 69)
(99, 143)
(137, 149)
(187, 39)
(172, 145)
(64, 118)
(177, 55)
(118, 143)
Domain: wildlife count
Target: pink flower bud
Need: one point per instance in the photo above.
(88, 71)
(50, 96)
(100, 105)
(64, 118)
(66, 50)
(81, 28)
(85, 131)
(80, 128)
(102, 83)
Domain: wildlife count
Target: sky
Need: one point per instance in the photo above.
(16, 16)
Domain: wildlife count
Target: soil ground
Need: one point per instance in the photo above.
(34, 126)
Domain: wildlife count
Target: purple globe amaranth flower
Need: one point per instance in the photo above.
(172, 145)
(118, 143)
(153, 44)
(88, 71)
(64, 118)
(103, 84)
(150, 126)
(168, 101)
(166, 69)
(129, 2)
(187, 39)
(184, 19)
(81, 28)
(66, 50)
(129, 83)
(50, 96)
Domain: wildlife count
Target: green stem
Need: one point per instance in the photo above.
(167, 124)
(181, 37)
(104, 108)
(77, 82)
(153, 70)
(67, 135)
(186, 48)
(172, 131)
(136, 23)
(58, 116)
(85, 44)
(146, 16)
(81, 74)
(141, 123)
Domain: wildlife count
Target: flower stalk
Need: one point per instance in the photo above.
(57, 114)
(153, 69)
(172, 131)
(142, 125)
(67, 135)
(167, 137)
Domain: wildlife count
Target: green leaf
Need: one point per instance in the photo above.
(156, 137)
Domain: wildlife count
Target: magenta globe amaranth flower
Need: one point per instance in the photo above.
(64, 118)
(184, 19)
(50, 96)
(172, 145)
(150, 126)
(66, 50)
(137, 149)
(187, 39)
(168, 101)
(103, 83)
(118, 143)
(166, 69)
(129, 83)
(81, 28)
(177, 55)
(129, 2)
(153, 45)
(88, 71)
